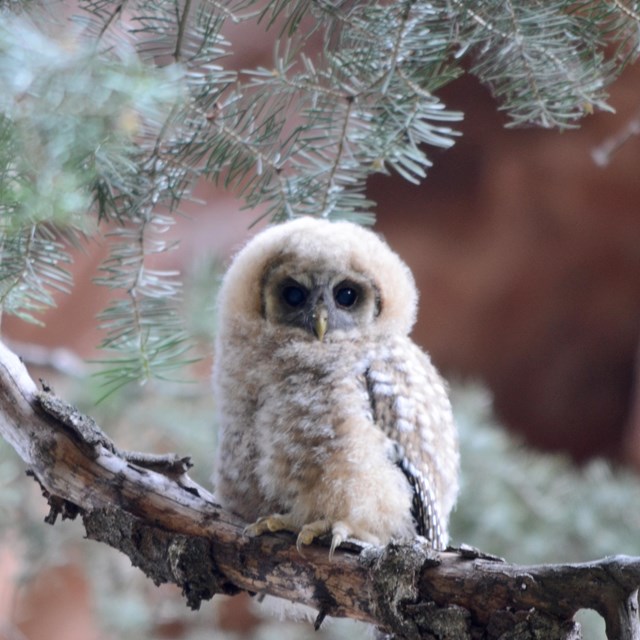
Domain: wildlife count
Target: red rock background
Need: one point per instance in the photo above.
(527, 255)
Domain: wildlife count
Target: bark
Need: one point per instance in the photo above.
(147, 507)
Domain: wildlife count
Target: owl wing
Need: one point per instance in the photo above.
(424, 507)
(410, 405)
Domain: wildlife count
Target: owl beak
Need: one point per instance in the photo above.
(320, 319)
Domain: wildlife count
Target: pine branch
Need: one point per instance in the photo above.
(145, 326)
(32, 268)
(603, 153)
(58, 139)
(542, 60)
(620, 22)
(126, 116)
(364, 102)
(148, 508)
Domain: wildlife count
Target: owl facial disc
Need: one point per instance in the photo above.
(319, 308)
(321, 300)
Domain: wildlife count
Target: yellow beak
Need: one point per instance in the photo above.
(320, 322)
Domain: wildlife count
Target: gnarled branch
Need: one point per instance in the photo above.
(147, 507)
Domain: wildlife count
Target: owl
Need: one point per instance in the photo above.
(331, 420)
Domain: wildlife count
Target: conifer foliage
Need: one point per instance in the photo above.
(109, 115)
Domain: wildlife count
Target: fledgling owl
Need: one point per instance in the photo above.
(331, 419)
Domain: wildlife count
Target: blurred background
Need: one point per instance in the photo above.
(527, 256)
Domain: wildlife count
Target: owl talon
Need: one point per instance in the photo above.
(310, 532)
(340, 531)
(300, 541)
(336, 541)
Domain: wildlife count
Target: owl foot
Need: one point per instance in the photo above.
(306, 535)
(271, 524)
(340, 531)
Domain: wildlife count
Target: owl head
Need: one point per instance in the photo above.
(322, 279)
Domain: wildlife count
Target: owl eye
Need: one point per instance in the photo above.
(345, 296)
(294, 295)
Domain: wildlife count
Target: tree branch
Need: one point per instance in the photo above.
(147, 507)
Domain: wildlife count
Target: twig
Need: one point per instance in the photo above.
(603, 153)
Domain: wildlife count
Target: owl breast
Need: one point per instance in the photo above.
(308, 444)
